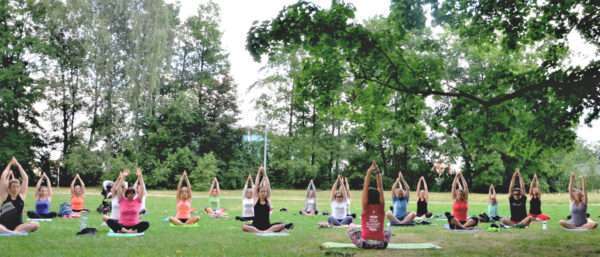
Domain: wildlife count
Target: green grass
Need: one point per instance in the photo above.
(225, 238)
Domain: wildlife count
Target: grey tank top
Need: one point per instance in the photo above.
(578, 214)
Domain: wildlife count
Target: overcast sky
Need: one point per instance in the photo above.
(237, 17)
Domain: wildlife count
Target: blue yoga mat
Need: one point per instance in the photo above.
(11, 234)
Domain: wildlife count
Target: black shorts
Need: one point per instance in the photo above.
(182, 220)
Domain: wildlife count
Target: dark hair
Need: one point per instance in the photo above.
(373, 196)
(130, 190)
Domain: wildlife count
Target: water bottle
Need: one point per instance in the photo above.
(83, 219)
(544, 225)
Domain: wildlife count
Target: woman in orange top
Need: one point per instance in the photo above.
(184, 203)
(77, 194)
(460, 194)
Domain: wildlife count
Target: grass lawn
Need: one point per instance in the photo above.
(225, 238)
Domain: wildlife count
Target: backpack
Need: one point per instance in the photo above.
(65, 209)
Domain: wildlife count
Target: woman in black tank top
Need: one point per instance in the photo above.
(423, 196)
(535, 204)
(12, 194)
(262, 209)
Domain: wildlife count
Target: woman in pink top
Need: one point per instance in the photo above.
(129, 208)
(184, 203)
(371, 234)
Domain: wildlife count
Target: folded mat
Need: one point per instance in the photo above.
(576, 229)
(270, 234)
(473, 230)
(14, 234)
(195, 225)
(40, 220)
(392, 246)
(113, 234)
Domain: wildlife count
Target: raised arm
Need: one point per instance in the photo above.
(455, 186)
(73, 184)
(365, 191)
(116, 189)
(140, 178)
(585, 195)
(491, 192)
(465, 185)
(217, 186)
(571, 192)
(533, 184)
(511, 186)
(522, 183)
(38, 185)
(24, 180)
(4, 181)
(346, 186)
(405, 185)
(257, 184)
(380, 185)
(426, 189)
(48, 185)
(179, 184)
(334, 188)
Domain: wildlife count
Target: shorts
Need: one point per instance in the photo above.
(541, 216)
(355, 235)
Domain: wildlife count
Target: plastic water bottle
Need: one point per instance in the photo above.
(544, 225)
(83, 219)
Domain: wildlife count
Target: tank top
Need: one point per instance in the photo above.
(518, 210)
(261, 219)
(184, 209)
(399, 206)
(214, 202)
(421, 207)
(77, 203)
(493, 210)
(339, 210)
(115, 210)
(129, 211)
(535, 206)
(42, 206)
(578, 214)
(460, 210)
(310, 205)
(11, 212)
(247, 207)
(372, 220)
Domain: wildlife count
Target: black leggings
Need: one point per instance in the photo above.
(35, 215)
(116, 227)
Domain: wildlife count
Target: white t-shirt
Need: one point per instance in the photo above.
(247, 207)
(114, 211)
(339, 210)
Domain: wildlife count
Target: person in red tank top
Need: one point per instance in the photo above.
(459, 218)
(371, 233)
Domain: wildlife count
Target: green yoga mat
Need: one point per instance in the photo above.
(195, 225)
(11, 234)
(272, 234)
(113, 234)
(407, 246)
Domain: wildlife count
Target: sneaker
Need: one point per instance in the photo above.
(289, 226)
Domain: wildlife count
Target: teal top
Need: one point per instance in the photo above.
(493, 210)
(214, 202)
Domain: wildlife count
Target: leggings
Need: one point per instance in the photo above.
(35, 215)
(356, 237)
(338, 222)
(116, 227)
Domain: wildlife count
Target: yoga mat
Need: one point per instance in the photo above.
(407, 246)
(40, 220)
(113, 234)
(10, 234)
(271, 234)
(576, 229)
(195, 225)
(474, 230)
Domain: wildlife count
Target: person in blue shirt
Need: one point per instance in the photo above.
(400, 197)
